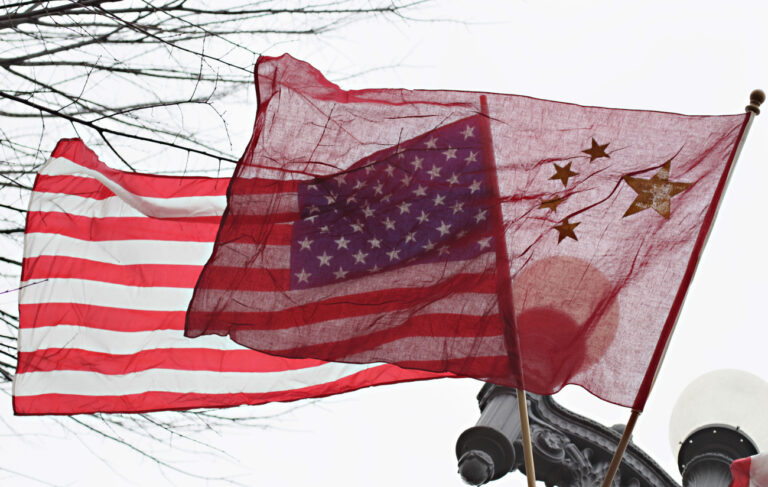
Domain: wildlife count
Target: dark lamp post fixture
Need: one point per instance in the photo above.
(718, 417)
(708, 430)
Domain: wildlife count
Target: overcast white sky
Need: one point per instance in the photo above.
(696, 57)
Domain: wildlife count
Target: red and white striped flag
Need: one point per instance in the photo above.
(750, 472)
(110, 262)
(421, 250)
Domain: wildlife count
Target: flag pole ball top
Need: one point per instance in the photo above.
(756, 98)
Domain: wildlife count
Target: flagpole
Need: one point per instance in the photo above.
(619, 453)
(504, 284)
(756, 98)
(522, 404)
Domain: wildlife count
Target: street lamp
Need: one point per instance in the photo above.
(716, 420)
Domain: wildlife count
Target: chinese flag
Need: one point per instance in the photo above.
(524, 242)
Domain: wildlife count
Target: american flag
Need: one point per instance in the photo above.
(425, 201)
(110, 262)
(397, 252)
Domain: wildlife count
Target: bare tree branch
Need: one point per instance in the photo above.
(104, 130)
(140, 81)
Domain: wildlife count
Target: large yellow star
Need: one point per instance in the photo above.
(655, 192)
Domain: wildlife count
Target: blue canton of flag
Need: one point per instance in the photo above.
(425, 200)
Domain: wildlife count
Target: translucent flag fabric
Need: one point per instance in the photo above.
(525, 242)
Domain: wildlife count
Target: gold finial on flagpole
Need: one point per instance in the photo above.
(756, 98)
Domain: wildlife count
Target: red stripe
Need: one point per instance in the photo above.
(73, 185)
(248, 224)
(149, 185)
(740, 472)
(174, 359)
(346, 306)
(137, 183)
(271, 234)
(448, 326)
(242, 186)
(256, 279)
(191, 229)
(149, 275)
(100, 317)
(164, 401)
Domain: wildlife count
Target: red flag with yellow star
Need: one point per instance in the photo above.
(529, 243)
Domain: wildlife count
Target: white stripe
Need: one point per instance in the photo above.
(123, 252)
(465, 304)
(270, 302)
(115, 342)
(149, 206)
(138, 206)
(184, 381)
(758, 470)
(97, 293)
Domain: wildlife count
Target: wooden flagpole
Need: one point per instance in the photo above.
(756, 98)
(504, 284)
(619, 453)
(522, 403)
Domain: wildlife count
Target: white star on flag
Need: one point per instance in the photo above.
(449, 154)
(434, 172)
(360, 257)
(341, 273)
(325, 259)
(305, 244)
(341, 242)
(303, 276)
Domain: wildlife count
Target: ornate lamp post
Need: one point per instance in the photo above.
(570, 450)
(719, 417)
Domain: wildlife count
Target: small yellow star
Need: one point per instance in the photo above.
(563, 173)
(565, 229)
(596, 151)
(655, 192)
